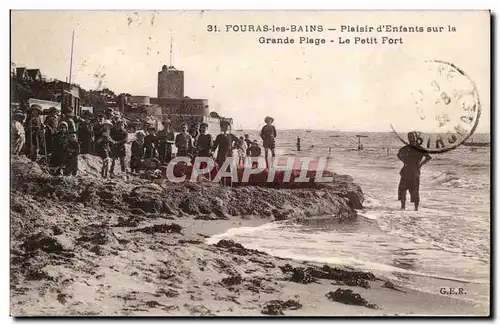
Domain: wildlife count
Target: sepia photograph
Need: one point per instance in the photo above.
(250, 163)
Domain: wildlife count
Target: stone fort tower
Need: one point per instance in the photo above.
(170, 83)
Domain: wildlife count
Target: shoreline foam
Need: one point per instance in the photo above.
(88, 247)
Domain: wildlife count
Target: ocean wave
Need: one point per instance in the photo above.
(452, 179)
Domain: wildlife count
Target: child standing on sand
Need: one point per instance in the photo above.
(254, 152)
(72, 151)
(242, 151)
(268, 135)
(184, 141)
(104, 144)
(150, 142)
(205, 142)
(137, 152)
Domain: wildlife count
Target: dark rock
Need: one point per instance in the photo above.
(189, 207)
(165, 208)
(160, 228)
(309, 274)
(96, 234)
(170, 293)
(236, 248)
(276, 307)
(137, 211)
(56, 229)
(231, 280)
(47, 243)
(349, 297)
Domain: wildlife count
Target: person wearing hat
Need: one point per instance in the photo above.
(205, 142)
(60, 140)
(108, 114)
(86, 132)
(51, 122)
(164, 141)
(120, 137)
(137, 152)
(184, 141)
(254, 151)
(35, 131)
(268, 135)
(224, 143)
(68, 116)
(71, 154)
(150, 142)
(18, 134)
(104, 145)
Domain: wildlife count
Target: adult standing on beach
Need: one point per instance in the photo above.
(34, 131)
(165, 140)
(18, 135)
(268, 135)
(411, 155)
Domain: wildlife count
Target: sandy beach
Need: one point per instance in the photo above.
(82, 246)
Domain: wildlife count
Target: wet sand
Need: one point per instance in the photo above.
(87, 247)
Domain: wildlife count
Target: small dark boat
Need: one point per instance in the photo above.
(477, 144)
(308, 130)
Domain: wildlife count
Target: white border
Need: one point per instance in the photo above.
(188, 5)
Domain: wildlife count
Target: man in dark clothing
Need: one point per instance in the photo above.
(120, 137)
(150, 143)
(34, 132)
(411, 155)
(51, 122)
(184, 141)
(165, 139)
(72, 150)
(268, 134)
(205, 142)
(86, 133)
(224, 142)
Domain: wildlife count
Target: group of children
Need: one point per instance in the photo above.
(190, 142)
(65, 137)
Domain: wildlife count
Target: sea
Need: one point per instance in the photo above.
(444, 244)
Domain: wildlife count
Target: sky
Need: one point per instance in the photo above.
(363, 87)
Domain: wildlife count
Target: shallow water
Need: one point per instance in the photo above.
(445, 243)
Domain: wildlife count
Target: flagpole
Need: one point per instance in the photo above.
(71, 57)
(171, 39)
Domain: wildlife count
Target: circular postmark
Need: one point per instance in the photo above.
(443, 107)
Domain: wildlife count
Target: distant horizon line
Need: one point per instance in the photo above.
(338, 130)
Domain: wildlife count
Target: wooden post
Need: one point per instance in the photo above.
(298, 144)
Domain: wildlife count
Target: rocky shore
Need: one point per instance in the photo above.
(83, 246)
